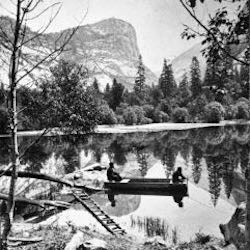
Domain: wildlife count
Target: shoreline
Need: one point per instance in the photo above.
(123, 129)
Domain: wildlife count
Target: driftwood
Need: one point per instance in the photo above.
(40, 203)
(16, 242)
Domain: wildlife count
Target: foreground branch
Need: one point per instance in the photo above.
(40, 203)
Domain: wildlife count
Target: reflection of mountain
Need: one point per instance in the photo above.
(125, 204)
(215, 158)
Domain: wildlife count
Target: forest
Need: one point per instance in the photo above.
(65, 97)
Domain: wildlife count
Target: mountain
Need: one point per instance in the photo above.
(108, 48)
(181, 63)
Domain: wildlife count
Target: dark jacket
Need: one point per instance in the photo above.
(112, 175)
(178, 177)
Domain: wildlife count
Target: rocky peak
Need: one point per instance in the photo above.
(108, 48)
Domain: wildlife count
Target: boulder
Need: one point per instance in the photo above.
(156, 241)
(234, 230)
(76, 241)
(94, 244)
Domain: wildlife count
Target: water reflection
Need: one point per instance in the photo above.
(223, 152)
(155, 226)
(214, 159)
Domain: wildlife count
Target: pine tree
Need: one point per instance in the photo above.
(167, 82)
(184, 93)
(219, 75)
(107, 93)
(116, 94)
(139, 86)
(195, 77)
(96, 86)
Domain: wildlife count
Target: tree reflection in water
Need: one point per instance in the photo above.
(154, 226)
(223, 152)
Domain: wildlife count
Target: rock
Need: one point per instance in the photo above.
(94, 244)
(234, 230)
(76, 241)
(155, 241)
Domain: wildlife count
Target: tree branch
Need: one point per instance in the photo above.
(211, 33)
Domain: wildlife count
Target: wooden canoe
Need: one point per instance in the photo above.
(147, 186)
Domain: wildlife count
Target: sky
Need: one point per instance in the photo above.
(158, 23)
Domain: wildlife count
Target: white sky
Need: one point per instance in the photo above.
(158, 23)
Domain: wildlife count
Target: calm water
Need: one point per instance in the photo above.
(214, 160)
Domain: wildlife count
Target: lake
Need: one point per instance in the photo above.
(213, 159)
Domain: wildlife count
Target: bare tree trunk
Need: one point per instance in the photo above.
(248, 210)
(13, 126)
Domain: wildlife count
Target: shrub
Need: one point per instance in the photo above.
(129, 116)
(3, 121)
(148, 111)
(159, 116)
(214, 112)
(196, 108)
(146, 120)
(165, 107)
(243, 99)
(107, 115)
(229, 112)
(120, 119)
(241, 110)
(180, 115)
(139, 114)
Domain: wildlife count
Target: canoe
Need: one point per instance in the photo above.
(147, 186)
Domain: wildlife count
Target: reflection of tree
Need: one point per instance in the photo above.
(99, 144)
(118, 152)
(37, 154)
(142, 158)
(228, 175)
(168, 159)
(215, 136)
(71, 155)
(244, 158)
(181, 140)
(214, 175)
(196, 167)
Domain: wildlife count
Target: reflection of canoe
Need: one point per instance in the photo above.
(147, 186)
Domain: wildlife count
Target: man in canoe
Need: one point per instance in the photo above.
(178, 176)
(111, 174)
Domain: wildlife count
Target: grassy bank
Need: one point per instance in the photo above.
(57, 238)
(153, 127)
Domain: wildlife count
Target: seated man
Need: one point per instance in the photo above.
(111, 174)
(178, 176)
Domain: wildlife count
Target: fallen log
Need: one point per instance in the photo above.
(35, 239)
(40, 203)
(16, 242)
(39, 176)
